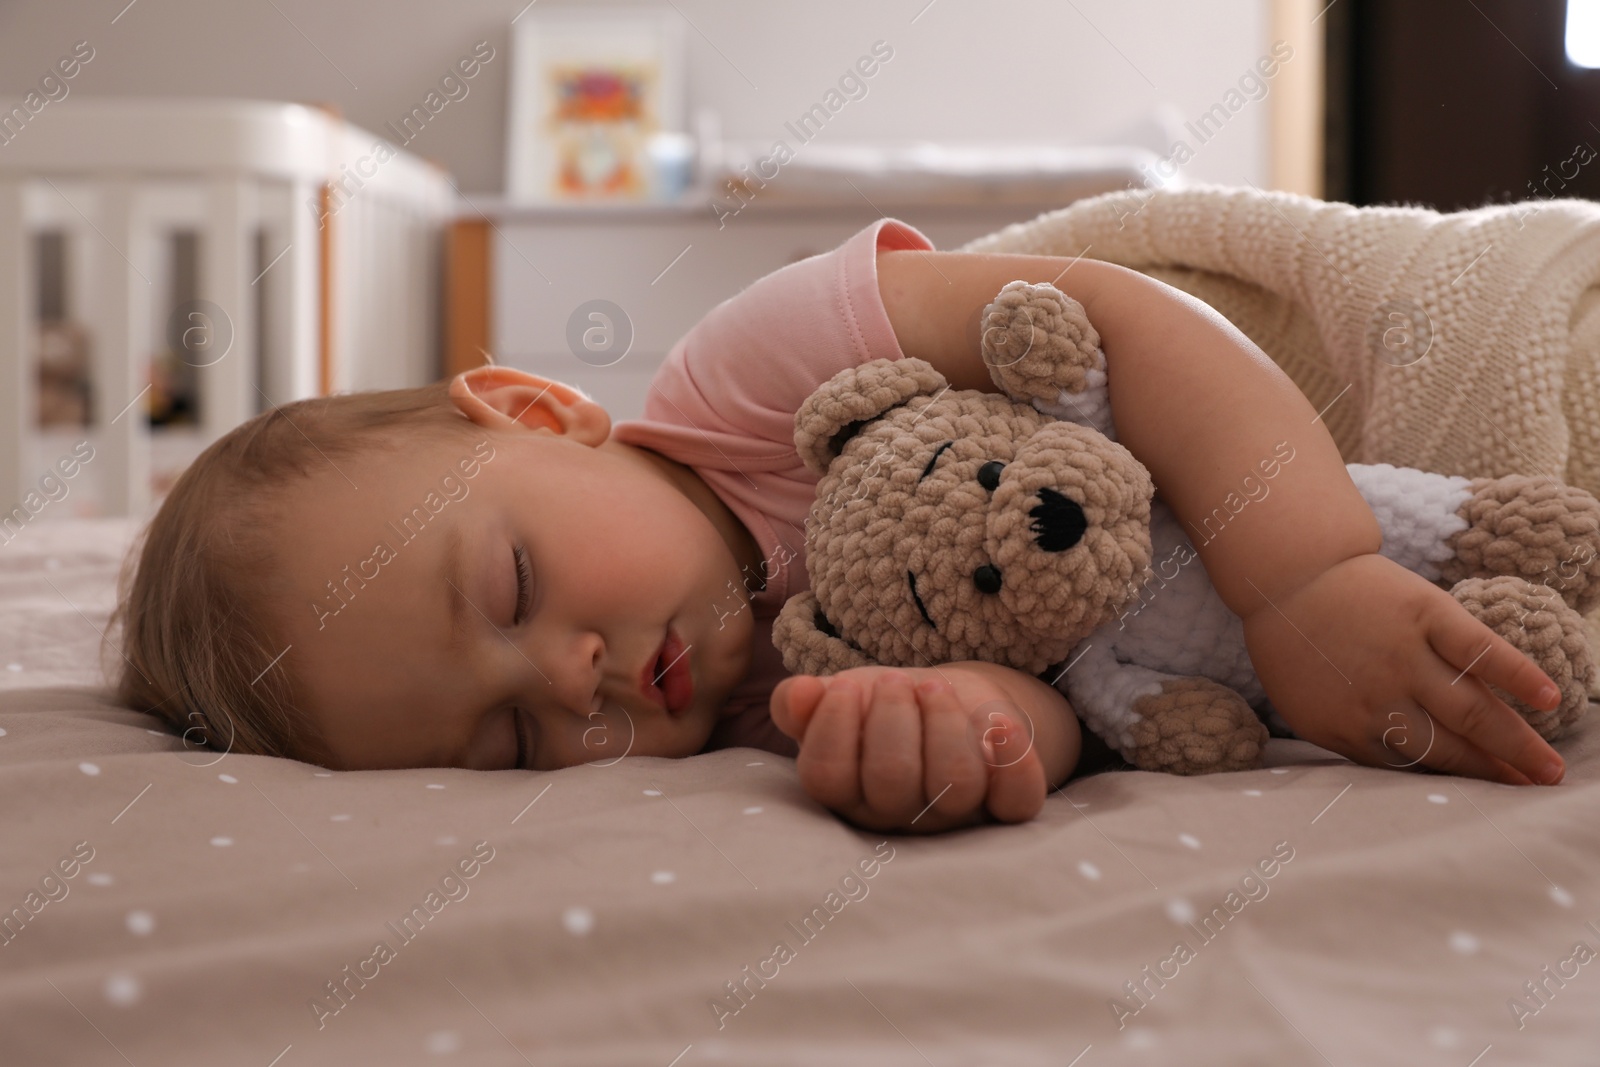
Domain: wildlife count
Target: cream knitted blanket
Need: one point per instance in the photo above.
(1464, 343)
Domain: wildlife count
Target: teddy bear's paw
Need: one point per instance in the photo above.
(1532, 528)
(1545, 629)
(1195, 726)
(1039, 345)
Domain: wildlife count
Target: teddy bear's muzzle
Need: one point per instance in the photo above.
(1065, 519)
(1058, 523)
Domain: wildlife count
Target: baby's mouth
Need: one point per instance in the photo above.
(667, 680)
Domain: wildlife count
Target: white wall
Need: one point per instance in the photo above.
(964, 70)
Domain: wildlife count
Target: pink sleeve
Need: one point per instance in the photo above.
(743, 370)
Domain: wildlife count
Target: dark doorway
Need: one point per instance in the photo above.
(1453, 104)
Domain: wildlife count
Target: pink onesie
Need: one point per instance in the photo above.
(724, 403)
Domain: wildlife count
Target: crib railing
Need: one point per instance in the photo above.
(319, 247)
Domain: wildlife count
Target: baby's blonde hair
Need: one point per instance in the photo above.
(197, 629)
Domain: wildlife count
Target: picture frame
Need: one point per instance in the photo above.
(589, 88)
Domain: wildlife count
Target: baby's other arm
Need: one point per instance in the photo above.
(1351, 647)
(1196, 401)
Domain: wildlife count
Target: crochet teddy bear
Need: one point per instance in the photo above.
(959, 524)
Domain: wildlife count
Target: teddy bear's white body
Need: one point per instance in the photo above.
(1180, 627)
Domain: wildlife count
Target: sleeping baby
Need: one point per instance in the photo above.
(488, 573)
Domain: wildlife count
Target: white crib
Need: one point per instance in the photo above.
(319, 257)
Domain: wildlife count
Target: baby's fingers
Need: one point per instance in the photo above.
(1016, 775)
(1415, 739)
(955, 779)
(1466, 707)
(891, 750)
(1472, 646)
(829, 760)
(794, 701)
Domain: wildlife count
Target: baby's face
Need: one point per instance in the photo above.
(428, 649)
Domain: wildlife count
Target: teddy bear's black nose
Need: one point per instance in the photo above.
(1058, 523)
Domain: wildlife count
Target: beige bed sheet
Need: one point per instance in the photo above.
(607, 907)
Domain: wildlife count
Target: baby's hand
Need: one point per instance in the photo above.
(1380, 665)
(888, 756)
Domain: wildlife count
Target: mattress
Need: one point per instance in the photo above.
(184, 907)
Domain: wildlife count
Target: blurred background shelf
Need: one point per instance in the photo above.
(520, 273)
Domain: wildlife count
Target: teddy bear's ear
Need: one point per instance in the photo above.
(829, 417)
(808, 641)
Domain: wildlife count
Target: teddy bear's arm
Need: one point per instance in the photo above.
(1042, 350)
(1102, 690)
(1162, 722)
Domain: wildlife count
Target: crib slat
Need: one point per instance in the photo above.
(228, 386)
(17, 374)
(301, 288)
(119, 327)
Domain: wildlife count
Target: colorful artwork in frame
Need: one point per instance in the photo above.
(588, 90)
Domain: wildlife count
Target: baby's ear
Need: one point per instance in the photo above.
(829, 417)
(500, 397)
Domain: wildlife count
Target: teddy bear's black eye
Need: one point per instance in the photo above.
(987, 578)
(989, 474)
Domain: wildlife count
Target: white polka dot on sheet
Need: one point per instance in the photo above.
(1561, 896)
(1438, 798)
(1463, 942)
(1280, 770)
(663, 878)
(1252, 792)
(122, 989)
(100, 878)
(578, 921)
(1444, 1037)
(435, 785)
(222, 842)
(2, 733)
(1179, 910)
(1140, 1037)
(1189, 841)
(652, 792)
(338, 818)
(447, 839)
(754, 809)
(444, 1042)
(1089, 871)
(89, 768)
(230, 779)
(755, 763)
(158, 733)
(140, 923)
(321, 774)
(52, 564)
(13, 666)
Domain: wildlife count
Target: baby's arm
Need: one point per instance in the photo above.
(920, 750)
(1353, 650)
